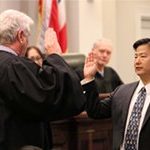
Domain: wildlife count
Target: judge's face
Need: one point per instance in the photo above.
(142, 61)
(103, 53)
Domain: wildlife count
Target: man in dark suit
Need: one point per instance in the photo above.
(106, 78)
(31, 95)
(128, 105)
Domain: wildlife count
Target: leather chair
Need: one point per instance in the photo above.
(74, 59)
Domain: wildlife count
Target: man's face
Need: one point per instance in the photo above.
(142, 61)
(103, 53)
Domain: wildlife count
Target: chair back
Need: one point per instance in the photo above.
(74, 59)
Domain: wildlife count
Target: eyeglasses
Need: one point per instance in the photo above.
(37, 58)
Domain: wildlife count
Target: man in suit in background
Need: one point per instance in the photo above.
(128, 105)
(30, 94)
(106, 77)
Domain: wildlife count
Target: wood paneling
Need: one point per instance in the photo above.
(82, 133)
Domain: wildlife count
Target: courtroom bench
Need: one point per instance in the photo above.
(82, 133)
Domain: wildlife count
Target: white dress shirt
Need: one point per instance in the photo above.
(7, 49)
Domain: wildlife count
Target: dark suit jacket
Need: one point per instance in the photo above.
(117, 107)
(31, 96)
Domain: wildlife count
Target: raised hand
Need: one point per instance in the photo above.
(90, 66)
(51, 43)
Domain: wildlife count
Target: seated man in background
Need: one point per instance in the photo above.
(106, 77)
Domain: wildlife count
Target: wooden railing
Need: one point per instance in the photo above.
(82, 133)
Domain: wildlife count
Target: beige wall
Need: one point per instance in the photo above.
(89, 20)
(127, 12)
(90, 23)
(84, 24)
(109, 23)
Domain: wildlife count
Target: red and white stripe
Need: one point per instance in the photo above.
(52, 14)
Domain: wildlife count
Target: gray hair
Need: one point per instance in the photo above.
(102, 40)
(11, 21)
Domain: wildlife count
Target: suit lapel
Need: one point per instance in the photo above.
(126, 101)
(146, 116)
(122, 99)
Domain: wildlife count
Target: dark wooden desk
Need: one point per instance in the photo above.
(82, 133)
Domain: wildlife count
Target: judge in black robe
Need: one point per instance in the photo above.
(30, 95)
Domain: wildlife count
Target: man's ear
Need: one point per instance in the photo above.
(20, 36)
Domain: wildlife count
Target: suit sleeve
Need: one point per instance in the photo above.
(51, 92)
(95, 107)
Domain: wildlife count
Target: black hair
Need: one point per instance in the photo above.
(141, 42)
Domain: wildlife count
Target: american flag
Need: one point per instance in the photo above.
(51, 13)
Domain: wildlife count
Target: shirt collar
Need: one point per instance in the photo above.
(147, 87)
(101, 73)
(7, 49)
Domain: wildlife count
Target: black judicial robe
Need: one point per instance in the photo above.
(106, 83)
(31, 96)
(109, 81)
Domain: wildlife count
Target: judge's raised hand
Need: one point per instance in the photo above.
(51, 42)
(90, 66)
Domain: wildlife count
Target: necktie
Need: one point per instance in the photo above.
(134, 121)
(99, 75)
